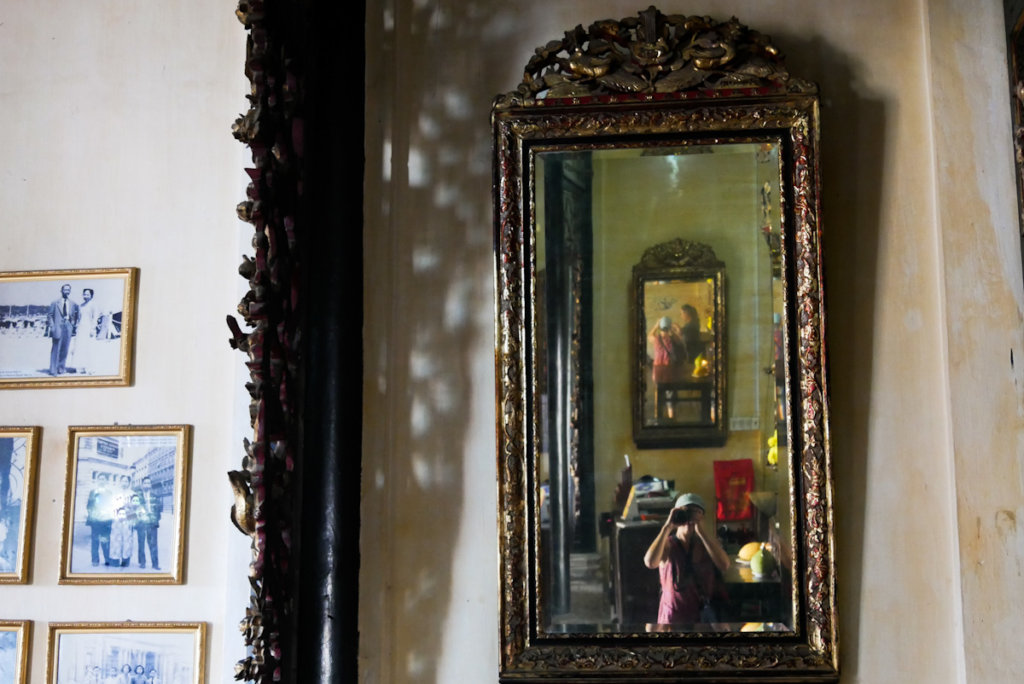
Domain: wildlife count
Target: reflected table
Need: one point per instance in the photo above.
(673, 396)
(637, 591)
(753, 598)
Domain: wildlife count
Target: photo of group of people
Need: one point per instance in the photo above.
(125, 675)
(65, 326)
(125, 495)
(126, 654)
(118, 513)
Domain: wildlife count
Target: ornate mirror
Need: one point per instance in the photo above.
(663, 460)
(679, 352)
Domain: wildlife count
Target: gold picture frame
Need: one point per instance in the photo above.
(16, 635)
(19, 459)
(67, 328)
(175, 650)
(125, 504)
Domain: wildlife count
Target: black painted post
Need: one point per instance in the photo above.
(328, 548)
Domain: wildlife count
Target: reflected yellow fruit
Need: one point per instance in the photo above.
(748, 550)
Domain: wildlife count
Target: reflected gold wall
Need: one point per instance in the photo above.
(640, 201)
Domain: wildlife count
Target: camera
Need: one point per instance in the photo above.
(680, 517)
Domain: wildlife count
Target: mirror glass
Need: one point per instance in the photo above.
(678, 316)
(679, 354)
(660, 371)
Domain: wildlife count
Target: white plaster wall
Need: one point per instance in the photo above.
(924, 289)
(116, 151)
(983, 326)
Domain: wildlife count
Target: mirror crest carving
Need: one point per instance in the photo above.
(651, 54)
(680, 253)
(659, 175)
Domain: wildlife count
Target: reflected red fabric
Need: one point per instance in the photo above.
(734, 480)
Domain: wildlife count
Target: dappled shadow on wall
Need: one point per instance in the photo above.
(429, 579)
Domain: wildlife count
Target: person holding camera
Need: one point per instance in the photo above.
(690, 562)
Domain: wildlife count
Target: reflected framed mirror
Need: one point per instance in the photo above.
(679, 350)
(664, 470)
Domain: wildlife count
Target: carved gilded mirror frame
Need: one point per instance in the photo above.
(678, 261)
(644, 78)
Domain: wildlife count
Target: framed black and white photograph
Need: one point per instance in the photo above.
(64, 328)
(127, 653)
(125, 504)
(14, 645)
(19, 454)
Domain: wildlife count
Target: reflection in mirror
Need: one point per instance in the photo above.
(679, 386)
(659, 284)
(660, 349)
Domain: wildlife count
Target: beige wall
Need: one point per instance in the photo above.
(924, 298)
(117, 151)
(978, 256)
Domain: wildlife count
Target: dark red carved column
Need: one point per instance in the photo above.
(297, 492)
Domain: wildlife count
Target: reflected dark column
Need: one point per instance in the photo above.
(568, 231)
(559, 373)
